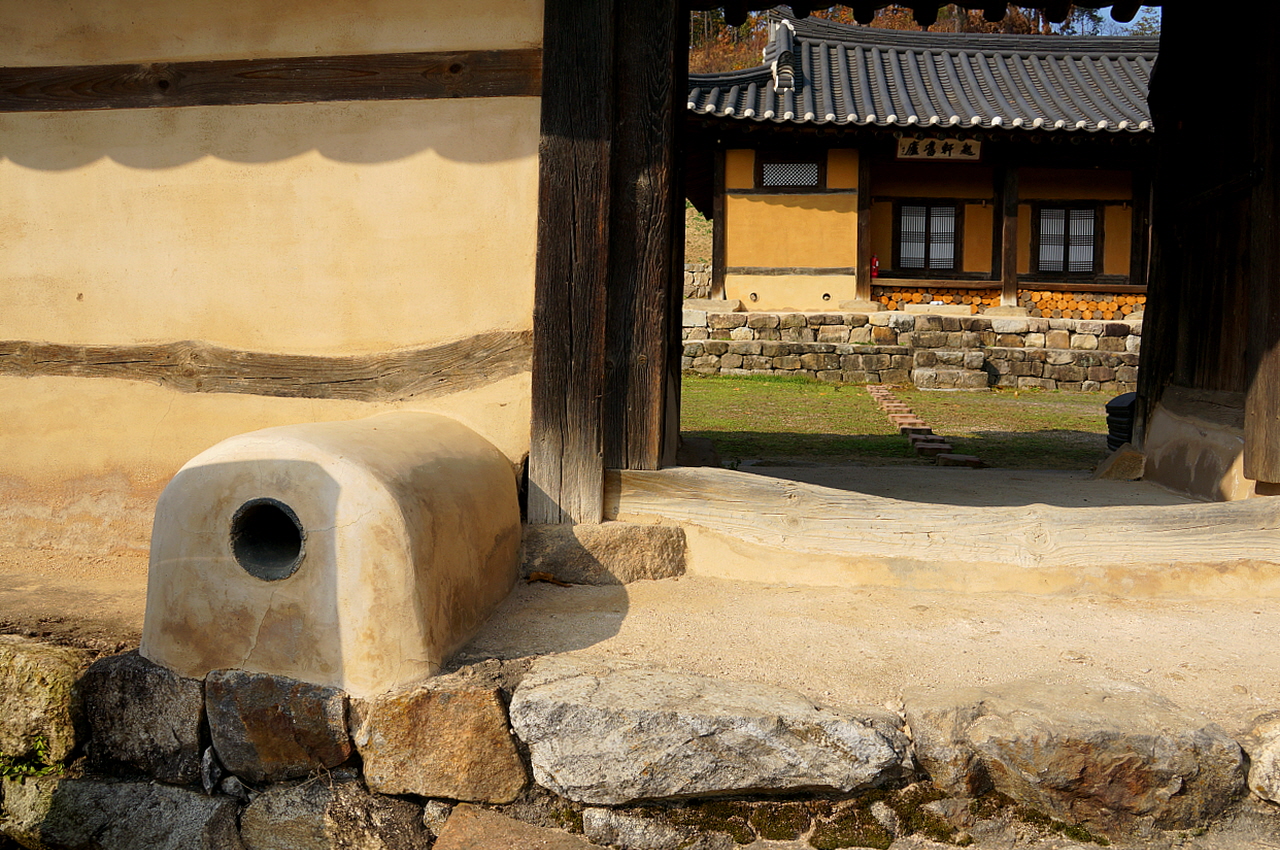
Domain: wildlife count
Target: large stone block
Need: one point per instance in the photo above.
(144, 716)
(1105, 754)
(50, 813)
(611, 828)
(270, 728)
(443, 740)
(473, 828)
(1057, 339)
(726, 321)
(330, 816)
(605, 553)
(353, 554)
(37, 681)
(613, 735)
(1263, 744)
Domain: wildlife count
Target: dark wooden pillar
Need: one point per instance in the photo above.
(718, 252)
(862, 279)
(1262, 399)
(1140, 229)
(1009, 235)
(566, 463)
(644, 252)
(608, 251)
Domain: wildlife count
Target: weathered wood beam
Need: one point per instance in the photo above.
(862, 286)
(1262, 399)
(193, 367)
(1009, 237)
(719, 251)
(643, 253)
(566, 463)
(393, 76)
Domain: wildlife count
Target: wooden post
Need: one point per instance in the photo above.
(718, 253)
(643, 252)
(1140, 230)
(1262, 399)
(1009, 237)
(862, 278)
(566, 469)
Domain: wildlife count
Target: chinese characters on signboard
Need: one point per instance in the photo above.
(948, 149)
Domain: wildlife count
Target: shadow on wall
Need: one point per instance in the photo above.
(474, 130)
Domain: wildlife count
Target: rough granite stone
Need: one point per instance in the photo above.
(85, 814)
(143, 716)
(439, 740)
(319, 815)
(1105, 754)
(38, 683)
(472, 828)
(617, 734)
(1263, 744)
(269, 728)
(604, 553)
(635, 832)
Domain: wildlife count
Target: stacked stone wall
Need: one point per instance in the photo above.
(932, 352)
(697, 280)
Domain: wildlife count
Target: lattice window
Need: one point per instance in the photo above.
(790, 175)
(927, 236)
(1067, 240)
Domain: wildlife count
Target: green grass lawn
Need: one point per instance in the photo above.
(778, 418)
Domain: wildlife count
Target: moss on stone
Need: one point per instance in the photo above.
(727, 816)
(850, 826)
(780, 821)
(1074, 831)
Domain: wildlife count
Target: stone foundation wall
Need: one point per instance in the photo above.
(932, 352)
(570, 753)
(697, 280)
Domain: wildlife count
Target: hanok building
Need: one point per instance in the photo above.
(861, 164)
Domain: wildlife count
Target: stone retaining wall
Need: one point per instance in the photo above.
(931, 352)
(697, 280)
(620, 753)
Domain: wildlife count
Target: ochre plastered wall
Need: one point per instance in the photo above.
(1118, 236)
(932, 180)
(739, 169)
(978, 235)
(790, 231)
(790, 292)
(307, 228)
(59, 32)
(1074, 184)
(842, 168)
(328, 229)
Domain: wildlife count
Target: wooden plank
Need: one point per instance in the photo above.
(675, 290)
(1081, 286)
(1009, 237)
(862, 286)
(718, 250)
(950, 283)
(817, 525)
(192, 367)
(642, 252)
(566, 463)
(393, 76)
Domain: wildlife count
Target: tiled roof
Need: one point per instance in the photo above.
(818, 72)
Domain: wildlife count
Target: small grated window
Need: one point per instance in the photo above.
(790, 174)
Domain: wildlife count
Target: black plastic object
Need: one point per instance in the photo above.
(1120, 420)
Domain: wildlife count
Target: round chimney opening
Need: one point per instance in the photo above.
(266, 539)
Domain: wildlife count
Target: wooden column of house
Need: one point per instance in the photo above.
(862, 278)
(1008, 235)
(566, 462)
(607, 252)
(645, 208)
(718, 253)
